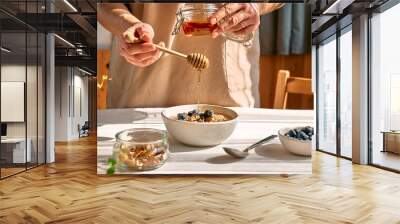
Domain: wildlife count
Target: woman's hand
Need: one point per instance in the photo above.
(236, 18)
(143, 53)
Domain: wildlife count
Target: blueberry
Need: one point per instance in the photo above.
(202, 116)
(299, 134)
(192, 113)
(308, 130)
(181, 116)
(292, 133)
(208, 113)
(303, 136)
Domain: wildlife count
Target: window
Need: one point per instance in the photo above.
(326, 100)
(22, 79)
(385, 89)
(346, 93)
(335, 73)
(378, 35)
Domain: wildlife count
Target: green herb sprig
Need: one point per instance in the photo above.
(111, 166)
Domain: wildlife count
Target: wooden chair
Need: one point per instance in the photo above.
(286, 84)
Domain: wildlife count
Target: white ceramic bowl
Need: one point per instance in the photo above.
(293, 145)
(199, 133)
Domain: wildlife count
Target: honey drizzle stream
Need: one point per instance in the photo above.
(198, 90)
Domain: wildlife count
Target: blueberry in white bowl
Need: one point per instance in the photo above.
(297, 140)
(302, 133)
(207, 115)
(200, 125)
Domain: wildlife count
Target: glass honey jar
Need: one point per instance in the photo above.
(194, 20)
(140, 149)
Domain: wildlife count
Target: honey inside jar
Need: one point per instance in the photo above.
(197, 28)
(194, 19)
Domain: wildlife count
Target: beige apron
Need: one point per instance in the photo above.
(171, 81)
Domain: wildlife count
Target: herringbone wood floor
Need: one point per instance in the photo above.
(69, 191)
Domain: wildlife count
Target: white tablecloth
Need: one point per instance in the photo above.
(253, 125)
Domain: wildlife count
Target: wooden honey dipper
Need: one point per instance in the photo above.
(197, 60)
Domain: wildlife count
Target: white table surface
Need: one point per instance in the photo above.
(13, 140)
(253, 125)
(19, 149)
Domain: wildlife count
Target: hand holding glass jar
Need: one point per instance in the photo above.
(235, 21)
(240, 19)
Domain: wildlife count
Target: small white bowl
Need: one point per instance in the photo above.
(293, 145)
(199, 133)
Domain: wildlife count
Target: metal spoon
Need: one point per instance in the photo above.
(243, 154)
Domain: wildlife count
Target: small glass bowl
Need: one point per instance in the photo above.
(141, 149)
